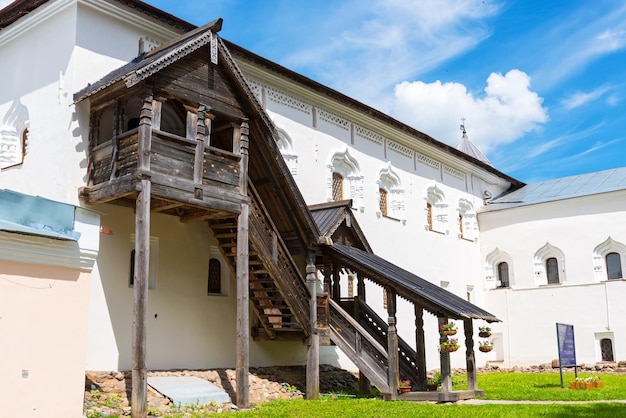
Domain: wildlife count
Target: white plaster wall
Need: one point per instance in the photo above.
(576, 227)
(43, 328)
(186, 327)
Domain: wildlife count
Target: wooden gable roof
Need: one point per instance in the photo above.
(198, 67)
(337, 224)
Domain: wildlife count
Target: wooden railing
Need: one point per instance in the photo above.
(377, 327)
(170, 154)
(360, 346)
(272, 251)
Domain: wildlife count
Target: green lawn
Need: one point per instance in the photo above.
(497, 386)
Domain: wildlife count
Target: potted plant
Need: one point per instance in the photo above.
(485, 346)
(484, 332)
(404, 386)
(447, 329)
(433, 382)
(450, 345)
(597, 382)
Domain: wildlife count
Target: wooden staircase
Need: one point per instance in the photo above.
(278, 292)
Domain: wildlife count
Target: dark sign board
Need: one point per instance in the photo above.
(567, 349)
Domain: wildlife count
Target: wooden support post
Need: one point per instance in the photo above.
(243, 283)
(336, 283)
(313, 352)
(139, 395)
(200, 135)
(469, 354)
(365, 386)
(139, 373)
(420, 361)
(444, 358)
(392, 345)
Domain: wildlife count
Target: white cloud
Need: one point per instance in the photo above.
(381, 43)
(506, 111)
(581, 98)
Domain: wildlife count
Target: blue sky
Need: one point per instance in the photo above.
(541, 83)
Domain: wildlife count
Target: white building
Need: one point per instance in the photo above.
(421, 204)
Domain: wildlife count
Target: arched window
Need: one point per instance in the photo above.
(499, 271)
(613, 266)
(13, 135)
(468, 228)
(503, 274)
(608, 260)
(215, 277)
(382, 202)
(549, 265)
(552, 270)
(285, 145)
(337, 187)
(390, 194)
(436, 216)
(344, 165)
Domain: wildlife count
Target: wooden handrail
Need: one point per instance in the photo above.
(357, 327)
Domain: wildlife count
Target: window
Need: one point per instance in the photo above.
(468, 227)
(337, 187)
(613, 266)
(382, 201)
(429, 216)
(608, 260)
(503, 274)
(606, 348)
(344, 180)
(13, 135)
(436, 216)
(552, 270)
(549, 265)
(215, 277)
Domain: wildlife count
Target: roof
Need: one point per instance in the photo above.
(34, 215)
(153, 61)
(562, 188)
(472, 150)
(331, 215)
(433, 298)
(19, 8)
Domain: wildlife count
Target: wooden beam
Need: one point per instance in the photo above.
(139, 396)
(392, 345)
(470, 360)
(420, 345)
(444, 359)
(243, 285)
(313, 351)
(365, 386)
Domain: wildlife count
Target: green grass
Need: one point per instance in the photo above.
(366, 408)
(497, 386)
(547, 387)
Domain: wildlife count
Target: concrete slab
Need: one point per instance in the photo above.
(188, 390)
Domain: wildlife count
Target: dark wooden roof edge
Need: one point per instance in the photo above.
(181, 46)
(332, 204)
(261, 116)
(19, 8)
(361, 107)
(435, 298)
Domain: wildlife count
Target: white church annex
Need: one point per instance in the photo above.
(74, 113)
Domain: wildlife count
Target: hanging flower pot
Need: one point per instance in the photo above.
(484, 332)
(485, 348)
(448, 329)
(450, 345)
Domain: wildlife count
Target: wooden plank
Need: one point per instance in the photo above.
(139, 394)
(313, 351)
(470, 360)
(243, 320)
(420, 345)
